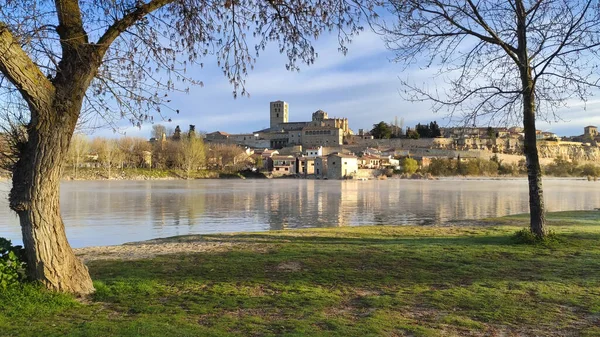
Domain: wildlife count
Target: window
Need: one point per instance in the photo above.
(278, 115)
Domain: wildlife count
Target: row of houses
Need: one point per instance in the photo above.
(312, 163)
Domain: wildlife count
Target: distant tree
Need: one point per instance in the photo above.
(80, 147)
(108, 152)
(430, 130)
(412, 134)
(381, 130)
(191, 154)
(409, 165)
(397, 127)
(158, 130)
(177, 134)
(442, 167)
(423, 131)
(590, 170)
(502, 59)
(435, 129)
(134, 151)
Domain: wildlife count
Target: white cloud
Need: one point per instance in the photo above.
(362, 86)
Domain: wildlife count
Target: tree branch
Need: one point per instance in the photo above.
(113, 32)
(70, 25)
(22, 72)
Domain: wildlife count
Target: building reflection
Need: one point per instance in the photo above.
(114, 212)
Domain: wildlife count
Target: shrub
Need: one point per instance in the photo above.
(409, 166)
(590, 170)
(525, 236)
(12, 267)
(442, 167)
(561, 168)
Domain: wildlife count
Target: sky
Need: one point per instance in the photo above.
(362, 86)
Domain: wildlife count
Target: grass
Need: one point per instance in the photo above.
(351, 281)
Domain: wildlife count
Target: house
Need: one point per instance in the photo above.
(320, 168)
(282, 165)
(314, 152)
(264, 158)
(340, 166)
(306, 166)
(369, 161)
(217, 136)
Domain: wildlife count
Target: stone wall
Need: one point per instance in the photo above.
(405, 143)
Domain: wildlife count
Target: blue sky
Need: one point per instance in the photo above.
(362, 86)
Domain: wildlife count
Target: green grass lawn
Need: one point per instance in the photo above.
(352, 281)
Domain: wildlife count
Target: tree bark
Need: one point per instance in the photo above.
(537, 220)
(35, 197)
(534, 170)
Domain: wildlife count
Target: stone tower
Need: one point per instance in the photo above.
(279, 113)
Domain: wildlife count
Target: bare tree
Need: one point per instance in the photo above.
(158, 130)
(134, 151)
(78, 150)
(191, 154)
(69, 60)
(503, 60)
(108, 152)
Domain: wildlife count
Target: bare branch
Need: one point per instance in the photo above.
(20, 70)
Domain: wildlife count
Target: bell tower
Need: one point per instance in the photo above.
(279, 113)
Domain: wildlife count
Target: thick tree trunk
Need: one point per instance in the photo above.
(534, 170)
(35, 198)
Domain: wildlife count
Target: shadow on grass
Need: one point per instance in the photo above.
(309, 239)
(370, 262)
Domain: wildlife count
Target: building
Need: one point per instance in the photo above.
(321, 130)
(279, 111)
(306, 166)
(314, 136)
(314, 152)
(341, 166)
(217, 136)
(320, 168)
(282, 165)
(591, 131)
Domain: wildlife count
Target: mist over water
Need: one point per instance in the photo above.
(114, 212)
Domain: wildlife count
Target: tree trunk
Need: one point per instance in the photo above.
(537, 221)
(534, 170)
(35, 198)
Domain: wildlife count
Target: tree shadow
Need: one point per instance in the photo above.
(360, 262)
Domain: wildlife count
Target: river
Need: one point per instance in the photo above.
(98, 213)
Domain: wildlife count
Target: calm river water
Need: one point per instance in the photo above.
(114, 212)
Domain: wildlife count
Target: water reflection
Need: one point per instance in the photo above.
(102, 213)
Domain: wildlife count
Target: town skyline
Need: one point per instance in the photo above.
(362, 86)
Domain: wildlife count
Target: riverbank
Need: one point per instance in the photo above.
(454, 280)
(91, 174)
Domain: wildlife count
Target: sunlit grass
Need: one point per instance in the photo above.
(352, 281)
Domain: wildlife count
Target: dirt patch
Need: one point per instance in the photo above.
(289, 266)
(150, 249)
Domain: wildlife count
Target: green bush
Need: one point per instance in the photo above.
(12, 267)
(409, 166)
(590, 170)
(525, 236)
(442, 167)
(561, 167)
